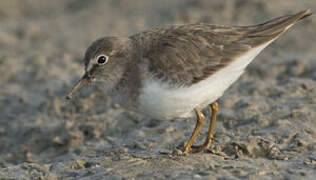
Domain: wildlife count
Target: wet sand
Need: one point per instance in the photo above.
(266, 126)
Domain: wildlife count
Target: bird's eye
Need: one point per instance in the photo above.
(102, 59)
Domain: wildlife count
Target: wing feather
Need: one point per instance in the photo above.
(186, 54)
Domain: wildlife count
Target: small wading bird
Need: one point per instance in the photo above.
(176, 71)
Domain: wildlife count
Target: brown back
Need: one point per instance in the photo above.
(187, 54)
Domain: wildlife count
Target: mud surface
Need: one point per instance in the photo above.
(266, 127)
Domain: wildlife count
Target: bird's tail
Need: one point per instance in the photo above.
(272, 29)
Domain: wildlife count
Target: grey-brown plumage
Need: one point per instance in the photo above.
(184, 54)
(169, 72)
(189, 53)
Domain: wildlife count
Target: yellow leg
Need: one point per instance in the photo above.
(199, 122)
(209, 138)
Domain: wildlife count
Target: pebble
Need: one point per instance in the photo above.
(123, 150)
(196, 176)
(261, 173)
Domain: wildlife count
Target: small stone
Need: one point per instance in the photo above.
(69, 124)
(47, 166)
(169, 129)
(108, 170)
(240, 172)
(138, 145)
(307, 162)
(79, 164)
(150, 145)
(57, 140)
(196, 176)
(177, 152)
(165, 151)
(116, 106)
(301, 142)
(91, 165)
(123, 150)
(109, 153)
(261, 173)
(29, 157)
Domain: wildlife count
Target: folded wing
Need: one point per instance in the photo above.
(187, 54)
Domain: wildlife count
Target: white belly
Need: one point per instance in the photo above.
(160, 101)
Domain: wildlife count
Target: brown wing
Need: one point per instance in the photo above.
(190, 53)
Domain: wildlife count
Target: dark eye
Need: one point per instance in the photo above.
(102, 59)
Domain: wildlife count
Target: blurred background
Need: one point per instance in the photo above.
(42, 44)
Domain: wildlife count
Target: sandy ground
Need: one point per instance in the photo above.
(266, 127)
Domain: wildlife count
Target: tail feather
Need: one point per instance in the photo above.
(269, 30)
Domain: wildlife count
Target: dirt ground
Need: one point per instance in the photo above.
(266, 126)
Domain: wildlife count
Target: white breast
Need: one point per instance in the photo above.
(160, 101)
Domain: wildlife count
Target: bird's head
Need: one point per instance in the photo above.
(105, 60)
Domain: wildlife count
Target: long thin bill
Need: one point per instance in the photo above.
(82, 83)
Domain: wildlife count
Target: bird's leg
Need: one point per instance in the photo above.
(209, 138)
(199, 122)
